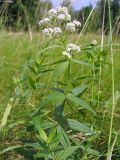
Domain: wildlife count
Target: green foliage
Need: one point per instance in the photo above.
(77, 126)
(115, 11)
(51, 114)
(50, 88)
(80, 102)
(22, 14)
(66, 153)
(56, 99)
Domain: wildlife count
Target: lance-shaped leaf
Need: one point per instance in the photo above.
(43, 135)
(56, 97)
(77, 61)
(78, 126)
(32, 83)
(11, 148)
(60, 69)
(64, 139)
(58, 111)
(52, 135)
(66, 152)
(41, 154)
(79, 90)
(80, 102)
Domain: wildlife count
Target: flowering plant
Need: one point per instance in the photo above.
(55, 87)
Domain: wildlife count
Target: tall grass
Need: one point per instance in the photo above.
(110, 144)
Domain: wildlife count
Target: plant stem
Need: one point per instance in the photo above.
(102, 41)
(93, 81)
(68, 77)
(113, 86)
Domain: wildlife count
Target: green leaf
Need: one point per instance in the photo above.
(56, 62)
(34, 70)
(66, 153)
(78, 90)
(93, 152)
(52, 135)
(58, 111)
(18, 123)
(64, 140)
(43, 135)
(32, 83)
(38, 109)
(81, 77)
(80, 102)
(55, 146)
(47, 125)
(60, 69)
(45, 70)
(86, 149)
(103, 62)
(56, 97)
(11, 148)
(35, 145)
(56, 89)
(81, 63)
(42, 154)
(78, 126)
(5, 115)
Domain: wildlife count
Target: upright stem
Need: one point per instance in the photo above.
(68, 77)
(102, 41)
(93, 81)
(113, 87)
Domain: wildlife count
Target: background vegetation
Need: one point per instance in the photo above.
(23, 14)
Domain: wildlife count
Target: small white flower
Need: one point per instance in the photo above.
(94, 42)
(52, 13)
(67, 54)
(44, 21)
(62, 10)
(52, 31)
(57, 30)
(47, 31)
(62, 14)
(64, 17)
(68, 17)
(77, 23)
(70, 27)
(61, 17)
(72, 47)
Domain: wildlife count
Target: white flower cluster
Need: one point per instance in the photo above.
(44, 22)
(67, 54)
(73, 47)
(63, 14)
(57, 30)
(70, 49)
(94, 42)
(72, 26)
(52, 13)
(52, 31)
(59, 13)
(77, 23)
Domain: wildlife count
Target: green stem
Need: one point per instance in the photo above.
(102, 41)
(68, 76)
(93, 81)
(113, 87)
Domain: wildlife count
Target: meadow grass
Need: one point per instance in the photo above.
(15, 51)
